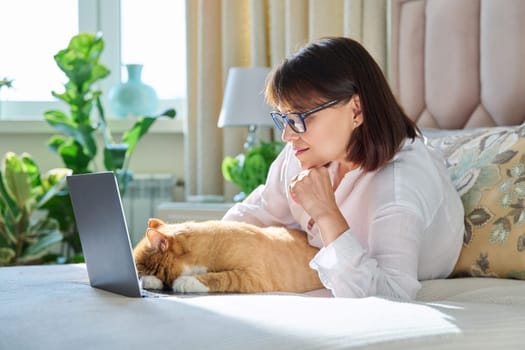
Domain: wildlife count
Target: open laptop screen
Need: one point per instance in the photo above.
(103, 232)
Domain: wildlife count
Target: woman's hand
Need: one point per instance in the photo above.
(313, 190)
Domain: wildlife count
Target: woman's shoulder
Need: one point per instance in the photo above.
(413, 173)
(414, 154)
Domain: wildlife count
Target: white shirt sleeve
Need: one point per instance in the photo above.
(388, 268)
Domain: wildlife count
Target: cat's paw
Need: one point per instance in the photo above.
(151, 282)
(189, 284)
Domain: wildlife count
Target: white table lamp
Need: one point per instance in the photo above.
(243, 104)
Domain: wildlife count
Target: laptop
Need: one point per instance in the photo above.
(104, 235)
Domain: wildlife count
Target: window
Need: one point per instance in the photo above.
(151, 33)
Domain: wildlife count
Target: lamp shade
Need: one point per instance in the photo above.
(243, 103)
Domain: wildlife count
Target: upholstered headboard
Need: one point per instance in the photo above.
(459, 64)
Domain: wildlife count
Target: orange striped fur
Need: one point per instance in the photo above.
(226, 256)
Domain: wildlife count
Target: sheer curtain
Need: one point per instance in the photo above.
(228, 33)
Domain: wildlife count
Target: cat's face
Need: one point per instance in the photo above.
(156, 254)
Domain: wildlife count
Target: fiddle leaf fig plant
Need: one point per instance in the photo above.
(26, 232)
(76, 143)
(249, 170)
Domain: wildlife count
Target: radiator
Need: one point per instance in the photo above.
(143, 196)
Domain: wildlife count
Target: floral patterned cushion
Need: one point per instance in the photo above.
(487, 167)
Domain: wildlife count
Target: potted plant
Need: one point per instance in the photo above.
(249, 170)
(76, 143)
(26, 231)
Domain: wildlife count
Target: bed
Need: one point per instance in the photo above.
(455, 67)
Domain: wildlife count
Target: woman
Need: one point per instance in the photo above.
(356, 176)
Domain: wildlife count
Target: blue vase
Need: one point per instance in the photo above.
(133, 97)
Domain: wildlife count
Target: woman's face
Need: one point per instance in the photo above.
(327, 134)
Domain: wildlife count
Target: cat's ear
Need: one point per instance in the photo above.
(157, 240)
(154, 223)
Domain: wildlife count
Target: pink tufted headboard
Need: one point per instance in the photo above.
(459, 63)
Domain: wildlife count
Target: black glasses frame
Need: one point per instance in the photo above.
(281, 119)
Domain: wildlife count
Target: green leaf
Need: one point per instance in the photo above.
(6, 255)
(79, 61)
(81, 133)
(133, 136)
(226, 166)
(31, 169)
(115, 155)
(141, 127)
(7, 203)
(106, 133)
(8, 214)
(49, 235)
(55, 142)
(56, 178)
(73, 157)
(76, 259)
(55, 114)
(170, 113)
(232, 168)
(251, 169)
(255, 171)
(17, 182)
(7, 227)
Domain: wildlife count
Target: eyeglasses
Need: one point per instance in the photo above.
(296, 120)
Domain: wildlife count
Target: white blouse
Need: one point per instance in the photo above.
(406, 223)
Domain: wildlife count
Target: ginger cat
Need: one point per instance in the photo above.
(225, 256)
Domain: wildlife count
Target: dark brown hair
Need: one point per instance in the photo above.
(336, 68)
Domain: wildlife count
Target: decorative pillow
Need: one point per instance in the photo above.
(487, 167)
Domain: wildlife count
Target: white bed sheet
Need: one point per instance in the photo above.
(53, 307)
